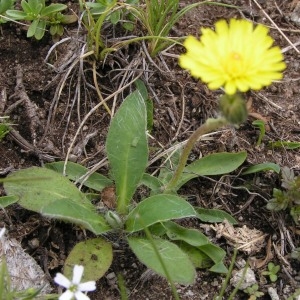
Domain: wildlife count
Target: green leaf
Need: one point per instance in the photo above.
(279, 202)
(149, 103)
(295, 213)
(177, 262)
(208, 253)
(158, 229)
(197, 257)
(60, 30)
(32, 28)
(26, 7)
(74, 171)
(151, 182)
(94, 254)
(76, 213)
(286, 145)
(141, 88)
(213, 164)
(53, 29)
(127, 148)
(262, 167)
(262, 130)
(193, 237)
(5, 5)
(216, 254)
(8, 200)
(16, 14)
(53, 8)
(115, 17)
(171, 162)
(45, 191)
(68, 19)
(273, 277)
(4, 130)
(128, 26)
(158, 208)
(214, 215)
(40, 30)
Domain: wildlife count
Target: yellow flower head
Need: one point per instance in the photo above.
(236, 56)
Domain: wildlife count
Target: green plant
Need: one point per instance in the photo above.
(4, 6)
(115, 12)
(253, 292)
(289, 197)
(4, 127)
(272, 271)
(262, 130)
(285, 145)
(146, 224)
(40, 16)
(158, 17)
(48, 192)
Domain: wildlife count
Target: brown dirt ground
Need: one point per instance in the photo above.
(172, 89)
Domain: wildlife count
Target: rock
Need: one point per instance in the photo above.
(273, 293)
(248, 280)
(23, 270)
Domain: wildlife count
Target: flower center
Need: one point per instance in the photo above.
(73, 288)
(234, 64)
(235, 56)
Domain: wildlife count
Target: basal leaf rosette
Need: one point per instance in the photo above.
(237, 56)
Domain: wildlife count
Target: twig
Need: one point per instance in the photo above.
(15, 135)
(31, 108)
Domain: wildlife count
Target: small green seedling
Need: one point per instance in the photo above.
(253, 292)
(272, 271)
(4, 127)
(262, 130)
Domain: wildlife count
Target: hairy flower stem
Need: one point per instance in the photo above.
(209, 126)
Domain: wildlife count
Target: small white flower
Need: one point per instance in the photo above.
(2, 232)
(74, 287)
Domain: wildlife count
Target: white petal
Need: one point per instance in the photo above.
(77, 274)
(67, 295)
(62, 280)
(2, 231)
(87, 286)
(81, 296)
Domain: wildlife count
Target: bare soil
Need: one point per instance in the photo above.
(181, 104)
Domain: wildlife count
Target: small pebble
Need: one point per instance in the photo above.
(34, 243)
(249, 279)
(111, 276)
(273, 293)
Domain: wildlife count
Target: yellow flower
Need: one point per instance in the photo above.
(236, 56)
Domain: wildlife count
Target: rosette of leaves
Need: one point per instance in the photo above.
(289, 197)
(113, 11)
(272, 271)
(40, 16)
(149, 227)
